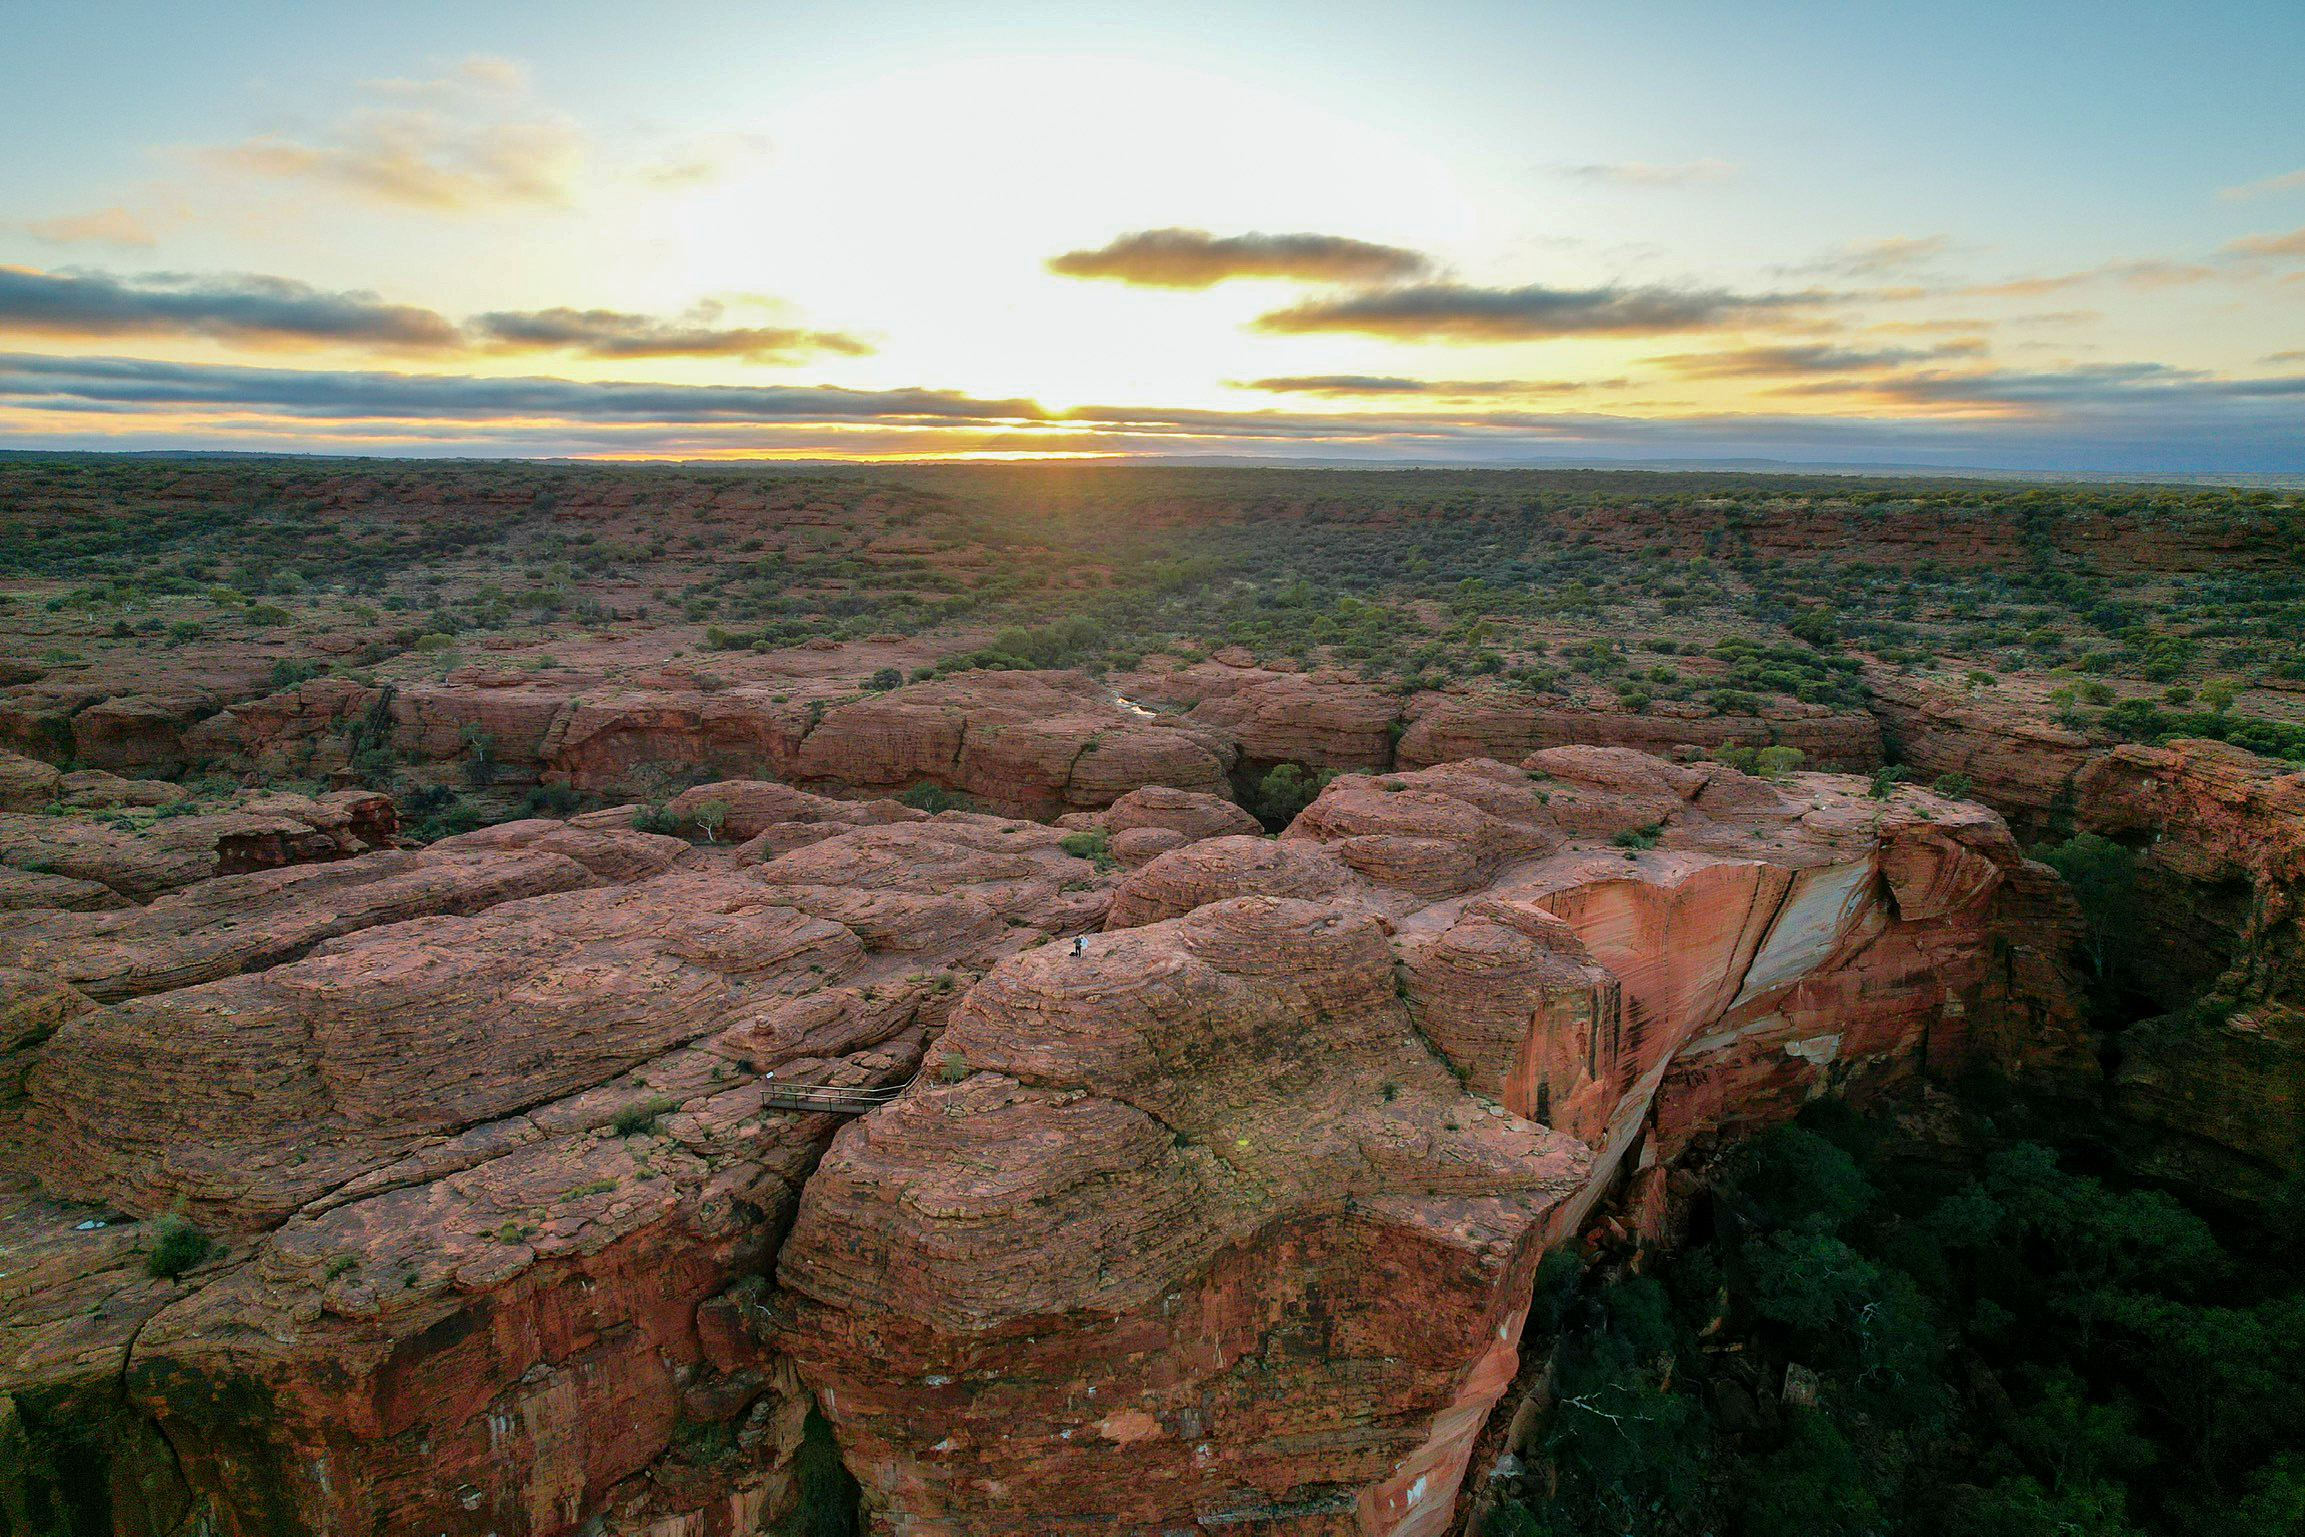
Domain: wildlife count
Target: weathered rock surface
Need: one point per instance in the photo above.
(1191, 816)
(2220, 840)
(20, 889)
(1498, 725)
(249, 922)
(27, 784)
(144, 859)
(2022, 766)
(611, 853)
(1114, 1276)
(1117, 1278)
(1020, 742)
(1326, 719)
(503, 1186)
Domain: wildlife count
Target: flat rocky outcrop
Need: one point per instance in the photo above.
(1485, 724)
(494, 1191)
(523, 1222)
(143, 859)
(1230, 1217)
(2021, 765)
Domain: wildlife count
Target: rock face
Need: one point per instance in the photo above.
(1228, 1217)
(250, 922)
(1483, 725)
(2220, 837)
(1117, 1277)
(496, 1190)
(1323, 720)
(147, 859)
(1117, 1273)
(1023, 743)
(2023, 767)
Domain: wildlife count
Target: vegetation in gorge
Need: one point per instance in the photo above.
(1973, 1331)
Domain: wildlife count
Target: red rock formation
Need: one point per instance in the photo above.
(1029, 743)
(1325, 720)
(27, 784)
(1118, 1277)
(1231, 1218)
(2220, 835)
(138, 731)
(1499, 725)
(143, 861)
(249, 922)
(1190, 816)
(2021, 766)
(502, 1188)
(1110, 1277)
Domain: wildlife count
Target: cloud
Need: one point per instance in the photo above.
(277, 309)
(2287, 181)
(1641, 173)
(468, 141)
(114, 226)
(1367, 385)
(142, 383)
(269, 311)
(1192, 258)
(702, 160)
(1877, 258)
(2095, 385)
(2159, 274)
(2288, 243)
(616, 334)
(2143, 418)
(1456, 313)
(244, 308)
(1794, 362)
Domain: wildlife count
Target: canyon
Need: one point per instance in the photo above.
(998, 1097)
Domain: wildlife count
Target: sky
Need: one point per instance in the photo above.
(2046, 236)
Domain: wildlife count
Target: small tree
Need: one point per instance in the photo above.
(2220, 693)
(2103, 876)
(710, 817)
(1286, 790)
(884, 680)
(1777, 762)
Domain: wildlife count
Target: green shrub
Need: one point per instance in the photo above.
(829, 1497)
(884, 680)
(632, 1120)
(1640, 837)
(177, 1246)
(932, 798)
(1777, 762)
(1089, 843)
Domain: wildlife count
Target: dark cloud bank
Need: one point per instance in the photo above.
(2141, 419)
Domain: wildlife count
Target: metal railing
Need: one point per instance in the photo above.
(832, 1099)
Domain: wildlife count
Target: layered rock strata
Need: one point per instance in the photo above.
(493, 1192)
(1229, 1219)
(2218, 929)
